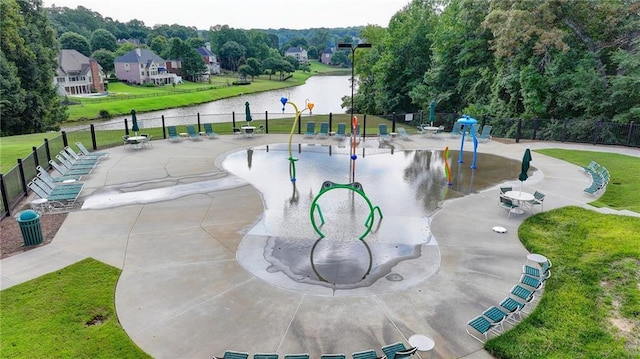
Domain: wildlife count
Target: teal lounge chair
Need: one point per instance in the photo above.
(193, 135)
(172, 132)
(522, 293)
(311, 130)
(513, 308)
(45, 173)
(398, 351)
(383, 134)
(531, 282)
(297, 356)
(231, 354)
(324, 130)
(341, 133)
(332, 356)
(482, 326)
(86, 152)
(63, 171)
(485, 135)
(265, 356)
(497, 316)
(80, 155)
(366, 354)
(208, 131)
(403, 134)
(457, 128)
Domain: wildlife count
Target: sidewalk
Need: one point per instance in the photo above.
(182, 292)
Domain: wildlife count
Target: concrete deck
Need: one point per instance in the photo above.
(183, 294)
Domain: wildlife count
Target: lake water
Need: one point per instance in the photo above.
(325, 92)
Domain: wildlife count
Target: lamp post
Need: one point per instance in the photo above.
(353, 48)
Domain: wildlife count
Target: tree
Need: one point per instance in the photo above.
(105, 58)
(293, 61)
(312, 53)
(195, 42)
(340, 58)
(159, 44)
(192, 65)
(231, 53)
(255, 69)
(103, 39)
(270, 65)
(28, 100)
(125, 48)
(75, 41)
(244, 71)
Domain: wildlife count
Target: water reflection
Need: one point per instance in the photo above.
(408, 186)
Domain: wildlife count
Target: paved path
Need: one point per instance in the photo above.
(183, 294)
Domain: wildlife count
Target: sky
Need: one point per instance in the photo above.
(244, 14)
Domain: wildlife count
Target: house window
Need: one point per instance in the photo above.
(127, 67)
(142, 66)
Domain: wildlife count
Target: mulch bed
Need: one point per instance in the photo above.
(11, 240)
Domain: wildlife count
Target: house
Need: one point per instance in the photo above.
(78, 74)
(325, 56)
(128, 41)
(210, 59)
(142, 66)
(299, 53)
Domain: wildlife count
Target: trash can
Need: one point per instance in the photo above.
(29, 222)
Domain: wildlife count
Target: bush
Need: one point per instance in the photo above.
(104, 114)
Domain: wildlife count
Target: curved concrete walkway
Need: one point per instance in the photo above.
(182, 293)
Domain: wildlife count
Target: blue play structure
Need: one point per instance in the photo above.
(468, 122)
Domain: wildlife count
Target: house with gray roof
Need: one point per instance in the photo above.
(210, 59)
(77, 74)
(325, 56)
(142, 66)
(299, 53)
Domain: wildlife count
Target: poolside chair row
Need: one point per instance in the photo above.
(58, 195)
(391, 351)
(192, 134)
(72, 163)
(311, 130)
(482, 136)
(599, 177)
(510, 309)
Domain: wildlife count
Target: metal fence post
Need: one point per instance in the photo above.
(23, 180)
(35, 155)
(330, 121)
(393, 124)
(47, 150)
(536, 122)
(518, 129)
(364, 126)
(164, 129)
(65, 142)
(198, 115)
(126, 127)
(94, 142)
(233, 119)
(266, 121)
(5, 200)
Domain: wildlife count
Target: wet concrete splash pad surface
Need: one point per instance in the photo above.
(284, 250)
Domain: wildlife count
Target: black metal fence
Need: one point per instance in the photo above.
(13, 184)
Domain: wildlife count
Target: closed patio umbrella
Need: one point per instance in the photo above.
(247, 112)
(526, 159)
(134, 122)
(432, 112)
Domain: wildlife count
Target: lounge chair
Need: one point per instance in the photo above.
(513, 307)
(79, 161)
(508, 205)
(341, 132)
(537, 272)
(499, 316)
(260, 130)
(457, 128)
(531, 282)
(522, 293)
(332, 356)
(476, 129)
(86, 152)
(208, 131)
(403, 134)
(482, 326)
(324, 130)
(398, 351)
(485, 135)
(45, 180)
(366, 354)
(65, 196)
(297, 356)
(265, 356)
(74, 166)
(311, 130)
(80, 155)
(173, 134)
(231, 354)
(504, 190)
(193, 135)
(383, 134)
(63, 171)
(44, 172)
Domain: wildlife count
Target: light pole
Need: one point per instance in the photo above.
(353, 48)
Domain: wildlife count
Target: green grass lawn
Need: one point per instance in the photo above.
(622, 191)
(69, 313)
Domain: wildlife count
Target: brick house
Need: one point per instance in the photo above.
(210, 59)
(299, 53)
(78, 74)
(325, 56)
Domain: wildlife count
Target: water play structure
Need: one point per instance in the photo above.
(468, 122)
(292, 160)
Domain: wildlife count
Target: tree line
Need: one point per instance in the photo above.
(508, 58)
